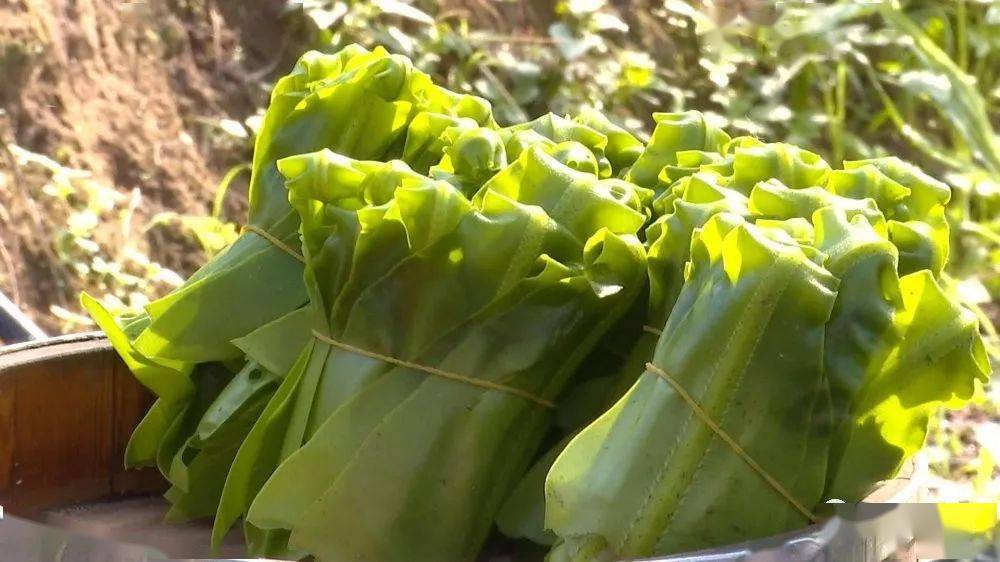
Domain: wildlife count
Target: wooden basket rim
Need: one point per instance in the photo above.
(16, 355)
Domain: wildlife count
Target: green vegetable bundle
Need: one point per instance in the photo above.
(801, 353)
(511, 288)
(194, 342)
(619, 348)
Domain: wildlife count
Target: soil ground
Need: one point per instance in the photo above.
(131, 92)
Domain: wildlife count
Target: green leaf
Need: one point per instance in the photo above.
(356, 102)
(277, 345)
(754, 162)
(938, 361)
(486, 289)
(258, 454)
(167, 379)
(674, 132)
(817, 21)
(403, 10)
(622, 149)
(523, 513)
(960, 101)
(649, 477)
(561, 129)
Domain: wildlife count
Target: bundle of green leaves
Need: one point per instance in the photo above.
(804, 338)
(623, 348)
(242, 304)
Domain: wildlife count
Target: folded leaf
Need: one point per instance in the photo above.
(674, 132)
(623, 148)
(356, 103)
(938, 361)
(198, 471)
(471, 158)
(790, 165)
(487, 290)
(560, 129)
(649, 476)
(167, 379)
(428, 135)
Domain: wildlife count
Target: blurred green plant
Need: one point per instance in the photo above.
(582, 58)
(93, 238)
(212, 232)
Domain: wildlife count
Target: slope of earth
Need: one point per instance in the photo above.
(133, 94)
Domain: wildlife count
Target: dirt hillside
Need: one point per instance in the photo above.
(132, 92)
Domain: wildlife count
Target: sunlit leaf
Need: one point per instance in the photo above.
(582, 7)
(703, 23)
(964, 107)
(403, 10)
(234, 128)
(817, 21)
(572, 46)
(609, 22)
